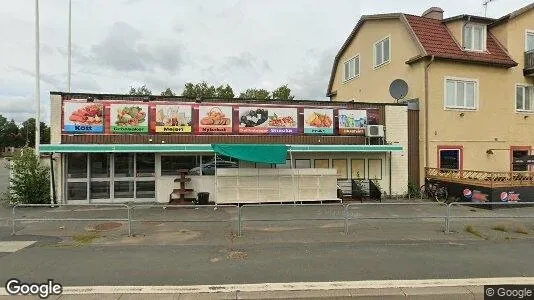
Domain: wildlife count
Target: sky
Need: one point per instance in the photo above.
(165, 43)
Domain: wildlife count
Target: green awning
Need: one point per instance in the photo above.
(259, 153)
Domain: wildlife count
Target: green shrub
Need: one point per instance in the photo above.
(413, 190)
(29, 182)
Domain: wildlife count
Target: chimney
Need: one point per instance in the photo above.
(433, 13)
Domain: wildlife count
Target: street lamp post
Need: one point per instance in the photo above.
(37, 82)
(69, 45)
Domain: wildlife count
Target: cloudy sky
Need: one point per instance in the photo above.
(164, 43)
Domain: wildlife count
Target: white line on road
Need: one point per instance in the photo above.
(292, 286)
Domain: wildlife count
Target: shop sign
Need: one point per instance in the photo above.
(318, 121)
(128, 118)
(475, 196)
(268, 120)
(173, 118)
(352, 122)
(83, 117)
(214, 119)
(509, 197)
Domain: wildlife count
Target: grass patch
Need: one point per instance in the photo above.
(521, 230)
(472, 230)
(500, 227)
(85, 238)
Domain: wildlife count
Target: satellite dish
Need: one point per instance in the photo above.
(398, 89)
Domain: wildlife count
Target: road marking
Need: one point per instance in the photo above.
(291, 286)
(14, 246)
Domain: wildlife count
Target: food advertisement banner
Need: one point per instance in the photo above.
(352, 122)
(318, 121)
(215, 119)
(173, 118)
(80, 117)
(128, 118)
(268, 120)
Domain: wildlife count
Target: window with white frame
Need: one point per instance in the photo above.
(524, 96)
(461, 93)
(382, 52)
(475, 37)
(529, 41)
(352, 68)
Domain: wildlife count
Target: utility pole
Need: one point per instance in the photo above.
(37, 82)
(485, 4)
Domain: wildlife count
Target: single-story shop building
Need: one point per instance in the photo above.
(110, 148)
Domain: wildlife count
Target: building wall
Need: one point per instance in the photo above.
(373, 85)
(56, 111)
(397, 133)
(456, 28)
(494, 124)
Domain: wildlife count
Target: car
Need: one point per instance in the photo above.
(209, 168)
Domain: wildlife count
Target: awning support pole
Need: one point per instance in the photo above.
(216, 190)
(295, 190)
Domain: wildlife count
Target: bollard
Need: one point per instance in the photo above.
(346, 215)
(447, 219)
(129, 220)
(13, 220)
(238, 220)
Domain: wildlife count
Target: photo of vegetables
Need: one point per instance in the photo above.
(129, 117)
(83, 117)
(318, 121)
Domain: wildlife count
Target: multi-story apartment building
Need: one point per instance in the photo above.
(473, 78)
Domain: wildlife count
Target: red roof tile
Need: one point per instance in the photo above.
(437, 40)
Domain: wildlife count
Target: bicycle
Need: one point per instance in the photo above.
(434, 190)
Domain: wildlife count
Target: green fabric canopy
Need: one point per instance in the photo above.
(260, 153)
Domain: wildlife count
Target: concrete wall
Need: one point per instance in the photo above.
(56, 111)
(397, 133)
(373, 85)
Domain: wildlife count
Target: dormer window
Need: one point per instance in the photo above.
(474, 37)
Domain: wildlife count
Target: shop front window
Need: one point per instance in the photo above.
(145, 189)
(302, 163)
(450, 159)
(171, 164)
(77, 165)
(341, 166)
(124, 165)
(519, 154)
(146, 164)
(100, 165)
(76, 190)
(123, 189)
(99, 190)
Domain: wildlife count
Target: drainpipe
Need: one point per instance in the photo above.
(426, 112)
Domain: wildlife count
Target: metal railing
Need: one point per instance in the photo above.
(111, 206)
(344, 213)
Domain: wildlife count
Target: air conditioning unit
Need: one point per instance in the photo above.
(374, 131)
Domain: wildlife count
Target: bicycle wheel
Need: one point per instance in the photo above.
(422, 192)
(441, 194)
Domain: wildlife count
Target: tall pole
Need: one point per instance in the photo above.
(37, 82)
(69, 50)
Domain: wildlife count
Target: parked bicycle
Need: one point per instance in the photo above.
(434, 190)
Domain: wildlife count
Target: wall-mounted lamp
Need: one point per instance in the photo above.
(525, 117)
(489, 151)
(150, 140)
(90, 99)
(462, 114)
(163, 142)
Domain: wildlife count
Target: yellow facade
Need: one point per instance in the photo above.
(494, 124)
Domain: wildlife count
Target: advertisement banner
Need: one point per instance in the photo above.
(83, 117)
(173, 118)
(215, 119)
(128, 118)
(318, 121)
(268, 120)
(352, 122)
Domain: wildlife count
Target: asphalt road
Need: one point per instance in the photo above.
(287, 262)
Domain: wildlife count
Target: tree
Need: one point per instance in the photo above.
(29, 182)
(205, 90)
(255, 94)
(28, 132)
(140, 91)
(168, 92)
(225, 92)
(283, 93)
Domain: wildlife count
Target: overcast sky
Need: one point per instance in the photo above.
(164, 43)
